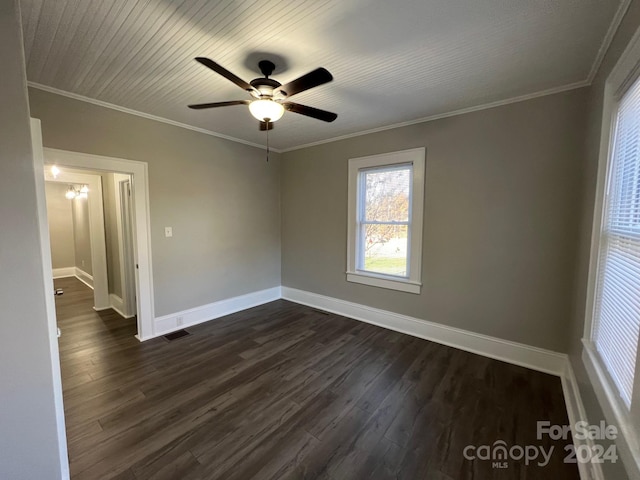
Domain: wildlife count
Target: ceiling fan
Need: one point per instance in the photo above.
(269, 96)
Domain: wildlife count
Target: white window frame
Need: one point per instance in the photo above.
(412, 283)
(623, 75)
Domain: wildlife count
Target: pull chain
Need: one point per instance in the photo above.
(267, 123)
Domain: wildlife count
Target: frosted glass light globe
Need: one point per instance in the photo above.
(264, 110)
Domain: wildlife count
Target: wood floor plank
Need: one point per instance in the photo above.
(283, 391)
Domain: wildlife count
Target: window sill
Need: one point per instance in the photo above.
(383, 281)
(614, 410)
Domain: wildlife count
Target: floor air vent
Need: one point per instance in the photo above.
(169, 337)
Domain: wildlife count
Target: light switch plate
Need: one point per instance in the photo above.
(168, 232)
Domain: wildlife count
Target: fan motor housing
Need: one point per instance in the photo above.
(265, 86)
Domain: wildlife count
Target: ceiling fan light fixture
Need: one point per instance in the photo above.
(269, 95)
(266, 110)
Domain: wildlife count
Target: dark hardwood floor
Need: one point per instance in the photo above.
(283, 391)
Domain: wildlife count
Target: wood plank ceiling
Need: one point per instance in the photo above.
(392, 61)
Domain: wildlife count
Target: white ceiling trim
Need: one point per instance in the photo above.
(608, 38)
(148, 116)
(530, 96)
(454, 113)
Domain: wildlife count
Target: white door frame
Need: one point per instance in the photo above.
(99, 282)
(47, 277)
(142, 244)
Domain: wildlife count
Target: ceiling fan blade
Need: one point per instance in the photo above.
(207, 62)
(266, 126)
(310, 111)
(312, 79)
(201, 106)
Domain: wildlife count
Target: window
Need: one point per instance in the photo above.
(617, 307)
(386, 196)
(612, 322)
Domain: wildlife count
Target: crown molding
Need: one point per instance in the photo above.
(462, 111)
(453, 113)
(148, 116)
(608, 38)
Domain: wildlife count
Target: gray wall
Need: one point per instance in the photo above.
(500, 226)
(595, 101)
(28, 438)
(81, 234)
(221, 198)
(60, 218)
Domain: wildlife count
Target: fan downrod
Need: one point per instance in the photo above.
(266, 67)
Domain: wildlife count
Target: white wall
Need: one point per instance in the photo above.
(29, 446)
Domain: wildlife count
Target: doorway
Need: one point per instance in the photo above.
(91, 230)
(138, 261)
(84, 253)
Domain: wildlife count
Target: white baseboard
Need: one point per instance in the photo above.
(117, 304)
(577, 413)
(193, 316)
(64, 272)
(512, 352)
(84, 277)
(81, 275)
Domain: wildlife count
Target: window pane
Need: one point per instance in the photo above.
(617, 318)
(624, 209)
(385, 249)
(387, 193)
(618, 321)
